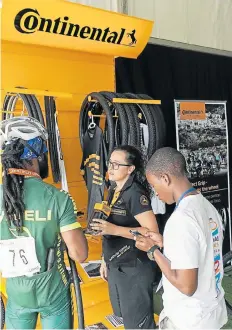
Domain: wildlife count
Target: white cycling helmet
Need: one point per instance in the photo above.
(25, 128)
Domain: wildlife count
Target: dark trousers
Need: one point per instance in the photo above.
(131, 294)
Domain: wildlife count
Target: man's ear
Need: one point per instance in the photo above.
(131, 169)
(166, 179)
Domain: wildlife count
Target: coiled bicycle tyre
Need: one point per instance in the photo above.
(38, 109)
(5, 105)
(159, 121)
(133, 120)
(50, 110)
(31, 103)
(152, 126)
(122, 117)
(227, 260)
(3, 313)
(83, 120)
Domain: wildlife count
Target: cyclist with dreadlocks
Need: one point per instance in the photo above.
(35, 217)
(129, 272)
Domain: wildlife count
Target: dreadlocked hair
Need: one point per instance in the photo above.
(136, 158)
(13, 203)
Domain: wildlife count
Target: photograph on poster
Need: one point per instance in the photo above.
(204, 142)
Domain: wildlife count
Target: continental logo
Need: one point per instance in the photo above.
(29, 21)
(192, 111)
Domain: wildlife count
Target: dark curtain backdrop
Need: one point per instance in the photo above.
(169, 73)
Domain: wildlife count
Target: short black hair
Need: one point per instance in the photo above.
(167, 161)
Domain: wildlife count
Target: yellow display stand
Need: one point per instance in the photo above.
(67, 50)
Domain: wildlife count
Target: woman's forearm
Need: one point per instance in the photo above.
(125, 231)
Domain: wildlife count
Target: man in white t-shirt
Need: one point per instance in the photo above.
(191, 263)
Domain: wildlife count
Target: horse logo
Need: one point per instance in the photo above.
(132, 36)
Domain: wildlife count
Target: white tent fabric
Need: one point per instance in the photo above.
(204, 23)
(111, 5)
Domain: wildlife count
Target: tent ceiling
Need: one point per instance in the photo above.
(192, 24)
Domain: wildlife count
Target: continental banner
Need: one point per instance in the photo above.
(202, 137)
(62, 24)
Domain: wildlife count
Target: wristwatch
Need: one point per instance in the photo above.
(150, 252)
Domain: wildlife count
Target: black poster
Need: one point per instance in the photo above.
(202, 137)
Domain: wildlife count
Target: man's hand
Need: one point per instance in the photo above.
(142, 230)
(144, 243)
(105, 227)
(157, 238)
(150, 239)
(103, 270)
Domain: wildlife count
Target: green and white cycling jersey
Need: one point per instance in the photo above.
(48, 212)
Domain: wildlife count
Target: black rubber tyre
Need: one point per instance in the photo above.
(31, 109)
(152, 125)
(227, 262)
(26, 102)
(52, 142)
(3, 313)
(227, 257)
(31, 103)
(5, 104)
(83, 120)
(163, 126)
(122, 117)
(38, 109)
(9, 105)
(133, 120)
(159, 120)
(28, 105)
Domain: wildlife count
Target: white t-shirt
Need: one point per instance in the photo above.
(193, 239)
(158, 207)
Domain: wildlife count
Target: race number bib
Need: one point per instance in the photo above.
(18, 257)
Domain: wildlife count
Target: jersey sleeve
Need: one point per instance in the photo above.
(139, 203)
(181, 242)
(67, 212)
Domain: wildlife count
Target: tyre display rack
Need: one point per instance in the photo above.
(128, 118)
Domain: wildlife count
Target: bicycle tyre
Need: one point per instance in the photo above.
(51, 128)
(110, 124)
(3, 313)
(38, 109)
(5, 104)
(133, 119)
(122, 116)
(10, 105)
(159, 120)
(152, 125)
(227, 258)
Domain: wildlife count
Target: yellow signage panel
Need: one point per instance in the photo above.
(62, 24)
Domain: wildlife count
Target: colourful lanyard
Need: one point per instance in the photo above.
(183, 195)
(20, 171)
